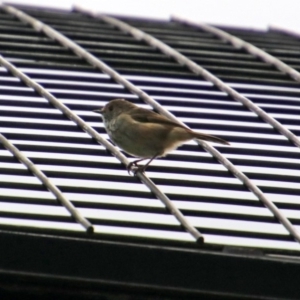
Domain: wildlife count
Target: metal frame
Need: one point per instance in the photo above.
(140, 35)
(82, 267)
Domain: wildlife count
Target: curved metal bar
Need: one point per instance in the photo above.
(46, 182)
(241, 44)
(93, 133)
(139, 35)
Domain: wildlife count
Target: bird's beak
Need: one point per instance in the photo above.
(99, 110)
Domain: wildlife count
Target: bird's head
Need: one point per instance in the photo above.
(114, 108)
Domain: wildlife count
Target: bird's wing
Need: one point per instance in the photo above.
(148, 116)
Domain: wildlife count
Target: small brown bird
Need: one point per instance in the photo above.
(144, 133)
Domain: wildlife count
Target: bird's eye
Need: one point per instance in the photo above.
(110, 108)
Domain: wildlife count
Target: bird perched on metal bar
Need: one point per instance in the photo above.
(145, 134)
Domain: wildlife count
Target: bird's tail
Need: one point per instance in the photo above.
(209, 138)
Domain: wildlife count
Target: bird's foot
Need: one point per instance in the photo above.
(134, 168)
(130, 166)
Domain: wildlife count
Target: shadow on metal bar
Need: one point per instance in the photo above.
(140, 35)
(46, 181)
(39, 26)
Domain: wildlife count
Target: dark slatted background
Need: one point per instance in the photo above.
(119, 206)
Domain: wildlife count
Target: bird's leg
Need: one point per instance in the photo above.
(148, 163)
(140, 168)
(129, 167)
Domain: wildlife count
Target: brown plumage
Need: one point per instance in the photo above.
(144, 133)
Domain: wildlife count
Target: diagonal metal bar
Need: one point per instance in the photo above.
(46, 181)
(140, 35)
(93, 133)
(241, 44)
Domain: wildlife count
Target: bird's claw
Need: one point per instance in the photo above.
(134, 168)
(129, 167)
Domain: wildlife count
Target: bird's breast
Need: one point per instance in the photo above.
(111, 125)
(136, 138)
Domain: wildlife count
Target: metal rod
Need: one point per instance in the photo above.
(106, 69)
(47, 183)
(140, 35)
(241, 44)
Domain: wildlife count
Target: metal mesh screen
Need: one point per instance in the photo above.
(119, 206)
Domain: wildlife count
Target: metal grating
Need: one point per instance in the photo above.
(119, 206)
